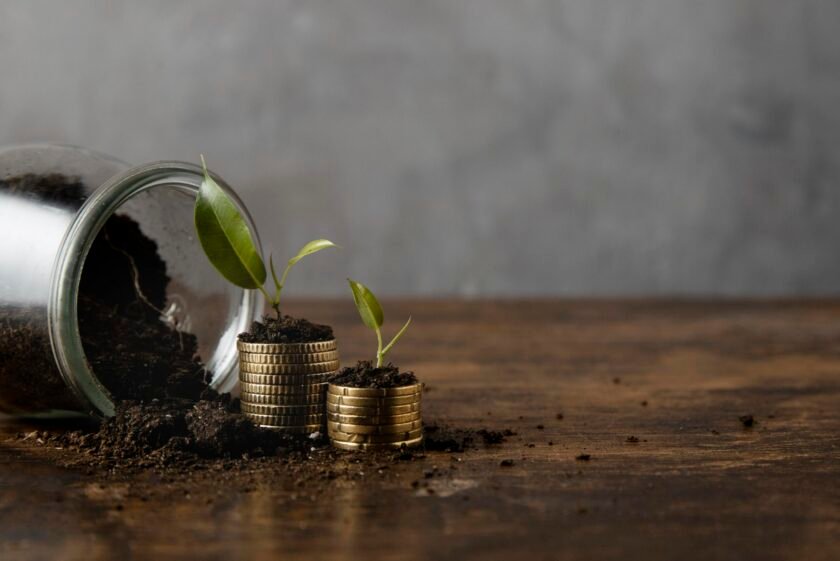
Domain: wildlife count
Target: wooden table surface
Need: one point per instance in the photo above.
(675, 375)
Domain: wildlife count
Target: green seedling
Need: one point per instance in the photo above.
(227, 241)
(372, 316)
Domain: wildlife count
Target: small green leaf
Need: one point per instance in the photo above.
(396, 337)
(225, 236)
(312, 247)
(367, 304)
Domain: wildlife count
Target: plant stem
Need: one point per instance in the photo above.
(275, 303)
(379, 354)
(278, 286)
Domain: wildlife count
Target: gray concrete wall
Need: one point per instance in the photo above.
(473, 147)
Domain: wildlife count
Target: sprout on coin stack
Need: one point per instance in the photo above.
(284, 363)
(374, 405)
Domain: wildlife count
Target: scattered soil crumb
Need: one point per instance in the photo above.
(633, 439)
(506, 463)
(286, 330)
(583, 457)
(559, 416)
(366, 375)
(444, 438)
(748, 421)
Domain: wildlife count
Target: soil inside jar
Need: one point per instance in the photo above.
(286, 329)
(122, 293)
(366, 375)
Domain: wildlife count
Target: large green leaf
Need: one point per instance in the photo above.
(367, 304)
(312, 247)
(225, 236)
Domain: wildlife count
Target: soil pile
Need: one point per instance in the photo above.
(173, 432)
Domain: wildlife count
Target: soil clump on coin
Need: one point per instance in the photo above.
(365, 375)
(286, 329)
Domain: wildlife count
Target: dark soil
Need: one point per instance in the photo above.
(122, 292)
(286, 330)
(28, 375)
(366, 375)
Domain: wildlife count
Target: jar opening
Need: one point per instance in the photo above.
(136, 311)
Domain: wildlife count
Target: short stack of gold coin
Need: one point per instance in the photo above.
(374, 418)
(283, 385)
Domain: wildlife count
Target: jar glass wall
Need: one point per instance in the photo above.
(75, 226)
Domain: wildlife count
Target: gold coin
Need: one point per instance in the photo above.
(374, 419)
(372, 411)
(285, 420)
(286, 400)
(289, 390)
(375, 392)
(283, 380)
(355, 446)
(373, 401)
(368, 438)
(373, 429)
(308, 358)
(286, 348)
(295, 429)
(285, 410)
(311, 368)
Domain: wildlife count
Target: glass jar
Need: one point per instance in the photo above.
(55, 203)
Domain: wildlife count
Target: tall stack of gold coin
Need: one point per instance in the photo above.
(374, 418)
(283, 385)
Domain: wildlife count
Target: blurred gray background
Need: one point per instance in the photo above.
(472, 147)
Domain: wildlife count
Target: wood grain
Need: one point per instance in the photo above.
(675, 375)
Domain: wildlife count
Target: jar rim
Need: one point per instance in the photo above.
(62, 314)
